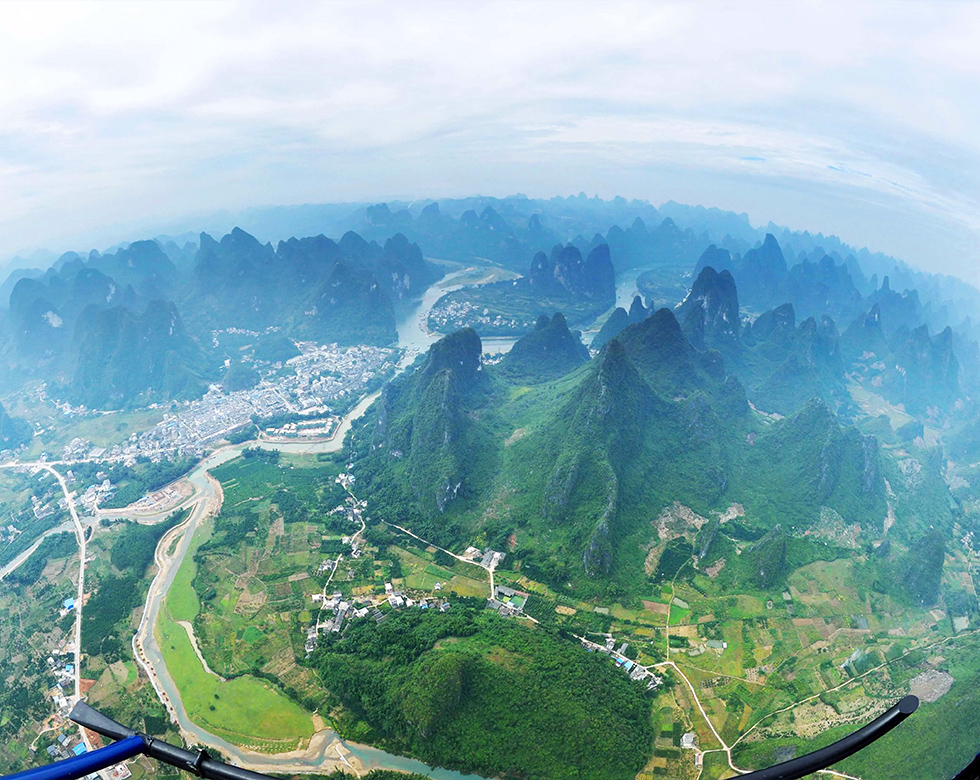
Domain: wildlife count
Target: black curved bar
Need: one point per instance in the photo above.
(849, 745)
(201, 764)
(197, 762)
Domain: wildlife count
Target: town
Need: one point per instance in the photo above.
(318, 384)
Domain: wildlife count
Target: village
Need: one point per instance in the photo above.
(317, 384)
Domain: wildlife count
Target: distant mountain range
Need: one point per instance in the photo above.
(133, 327)
(566, 461)
(347, 291)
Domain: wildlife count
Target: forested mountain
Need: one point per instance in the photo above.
(128, 327)
(550, 351)
(433, 685)
(576, 467)
(573, 459)
(329, 291)
(619, 320)
(118, 357)
(785, 314)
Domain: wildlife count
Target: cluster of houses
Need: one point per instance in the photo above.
(64, 748)
(340, 610)
(635, 670)
(82, 449)
(507, 601)
(41, 509)
(95, 493)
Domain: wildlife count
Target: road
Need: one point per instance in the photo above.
(206, 499)
(489, 568)
(80, 595)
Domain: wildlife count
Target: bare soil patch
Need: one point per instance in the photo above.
(932, 685)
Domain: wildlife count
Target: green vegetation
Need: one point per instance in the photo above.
(14, 431)
(53, 547)
(113, 600)
(245, 709)
(275, 348)
(133, 481)
(123, 359)
(549, 351)
(808, 461)
(30, 529)
(245, 434)
(245, 586)
(134, 547)
(239, 376)
(574, 468)
(470, 690)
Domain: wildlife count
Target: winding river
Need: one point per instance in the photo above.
(326, 751)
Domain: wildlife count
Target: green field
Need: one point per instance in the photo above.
(421, 574)
(245, 710)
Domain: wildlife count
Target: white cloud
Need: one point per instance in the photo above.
(119, 113)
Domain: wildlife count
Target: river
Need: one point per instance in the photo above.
(413, 333)
(326, 747)
(66, 527)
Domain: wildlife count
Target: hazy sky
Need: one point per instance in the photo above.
(858, 119)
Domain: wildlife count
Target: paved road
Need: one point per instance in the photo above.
(80, 595)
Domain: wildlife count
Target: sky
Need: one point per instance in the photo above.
(857, 119)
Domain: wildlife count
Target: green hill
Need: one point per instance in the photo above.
(549, 351)
(471, 691)
(121, 358)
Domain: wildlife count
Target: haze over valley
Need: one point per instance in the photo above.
(542, 486)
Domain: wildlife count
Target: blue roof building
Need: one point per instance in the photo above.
(78, 749)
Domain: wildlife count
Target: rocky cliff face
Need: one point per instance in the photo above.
(565, 270)
(709, 315)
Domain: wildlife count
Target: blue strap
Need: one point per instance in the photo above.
(85, 764)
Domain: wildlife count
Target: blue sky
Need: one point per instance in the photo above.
(860, 119)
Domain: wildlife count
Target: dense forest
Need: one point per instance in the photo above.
(470, 690)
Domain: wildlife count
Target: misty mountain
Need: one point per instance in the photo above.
(580, 287)
(619, 320)
(118, 358)
(331, 291)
